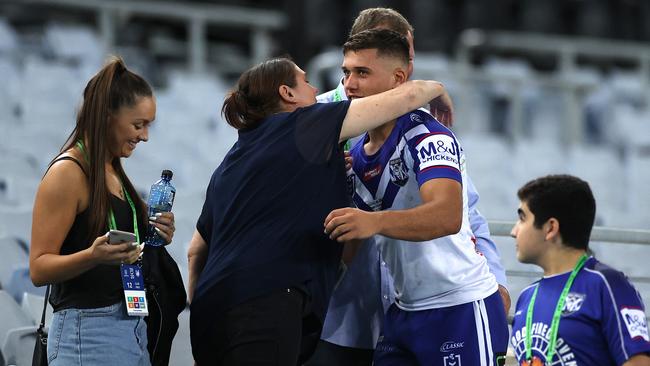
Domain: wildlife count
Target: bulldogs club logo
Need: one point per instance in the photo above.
(415, 118)
(398, 172)
(573, 303)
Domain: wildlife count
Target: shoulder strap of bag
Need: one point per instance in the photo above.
(47, 296)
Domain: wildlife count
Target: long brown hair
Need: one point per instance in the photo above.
(256, 95)
(112, 88)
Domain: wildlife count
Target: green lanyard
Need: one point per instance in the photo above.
(555, 323)
(111, 217)
(337, 95)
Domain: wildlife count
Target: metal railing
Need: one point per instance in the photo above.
(599, 234)
(196, 17)
(567, 51)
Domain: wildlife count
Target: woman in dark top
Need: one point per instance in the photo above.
(83, 194)
(261, 268)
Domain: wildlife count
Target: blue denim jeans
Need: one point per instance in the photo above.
(100, 336)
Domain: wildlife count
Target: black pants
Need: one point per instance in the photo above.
(328, 354)
(264, 331)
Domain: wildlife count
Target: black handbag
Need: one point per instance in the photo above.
(40, 348)
(166, 297)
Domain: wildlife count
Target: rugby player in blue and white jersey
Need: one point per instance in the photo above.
(409, 181)
(358, 304)
(589, 311)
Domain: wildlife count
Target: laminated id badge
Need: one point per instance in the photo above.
(134, 293)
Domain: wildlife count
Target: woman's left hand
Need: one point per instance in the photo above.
(163, 222)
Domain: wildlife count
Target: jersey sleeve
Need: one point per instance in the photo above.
(434, 149)
(624, 322)
(318, 129)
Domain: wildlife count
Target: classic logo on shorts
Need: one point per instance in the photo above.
(451, 360)
(398, 172)
(573, 303)
(635, 323)
(437, 150)
(450, 346)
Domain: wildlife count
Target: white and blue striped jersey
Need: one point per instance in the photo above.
(443, 272)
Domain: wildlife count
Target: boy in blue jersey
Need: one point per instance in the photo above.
(408, 177)
(582, 312)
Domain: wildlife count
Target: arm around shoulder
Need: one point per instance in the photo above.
(367, 113)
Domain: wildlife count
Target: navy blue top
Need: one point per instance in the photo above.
(264, 211)
(602, 324)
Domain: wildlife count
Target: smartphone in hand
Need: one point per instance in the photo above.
(119, 237)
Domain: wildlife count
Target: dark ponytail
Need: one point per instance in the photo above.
(256, 95)
(112, 88)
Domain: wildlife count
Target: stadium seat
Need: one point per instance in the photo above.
(494, 180)
(429, 66)
(74, 43)
(20, 283)
(12, 316)
(51, 93)
(13, 255)
(324, 69)
(32, 305)
(536, 157)
(199, 94)
(597, 165)
(637, 192)
(9, 92)
(18, 347)
(8, 37)
(16, 221)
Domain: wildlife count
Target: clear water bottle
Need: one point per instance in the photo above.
(161, 199)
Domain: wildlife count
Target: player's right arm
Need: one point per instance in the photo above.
(441, 203)
(367, 113)
(197, 255)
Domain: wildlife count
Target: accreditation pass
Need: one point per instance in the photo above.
(134, 293)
